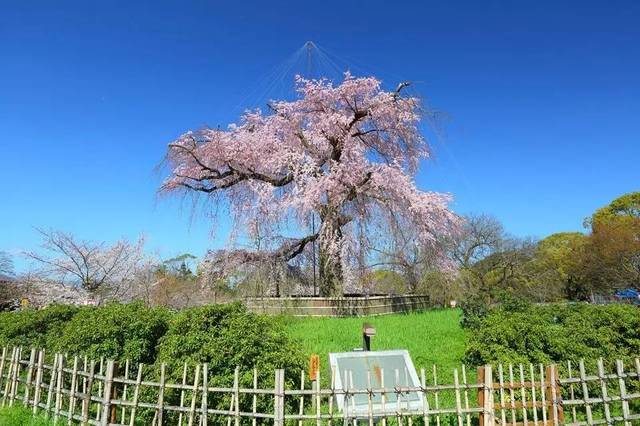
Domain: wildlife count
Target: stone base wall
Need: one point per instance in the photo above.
(337, 306)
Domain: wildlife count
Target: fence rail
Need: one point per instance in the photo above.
(76, 390)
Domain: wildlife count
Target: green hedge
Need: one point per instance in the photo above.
(224, 336)
(35, 328)
(554, 334)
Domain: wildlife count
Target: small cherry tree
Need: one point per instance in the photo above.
(345, 155)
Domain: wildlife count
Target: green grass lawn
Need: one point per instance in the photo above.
(20, 416)
(432, 337)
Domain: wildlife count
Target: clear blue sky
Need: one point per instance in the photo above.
(542, 99)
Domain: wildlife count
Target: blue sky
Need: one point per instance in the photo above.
(542, 101)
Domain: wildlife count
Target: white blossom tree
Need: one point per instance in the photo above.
(6, 264)
(98, 268)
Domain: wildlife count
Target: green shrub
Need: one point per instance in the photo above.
(115, 331)
(556, 334)
(226, 337)
(474, 309)
(34, 328)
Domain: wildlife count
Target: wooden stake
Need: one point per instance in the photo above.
(27, 388)
(136, 396)
(106, 394)
(73, 391)
(38, 387)
(194, 394)
(86, 402)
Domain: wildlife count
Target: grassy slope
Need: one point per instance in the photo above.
(432, 337)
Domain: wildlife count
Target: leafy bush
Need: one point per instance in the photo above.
(555, 334)
(34, 328)
(474, 309)
(115, 331)
(228, 336)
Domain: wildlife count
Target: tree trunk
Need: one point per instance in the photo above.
(330, 263)
(330, 271)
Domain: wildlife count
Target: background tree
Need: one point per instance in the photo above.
(492, 263)
(623, 208)
(612, 258)
(481, 236)
(343, 154)
(104, 270)
(6, 264)
(180, 265)
(558, 264)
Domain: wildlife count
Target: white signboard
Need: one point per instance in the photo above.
(376, 370)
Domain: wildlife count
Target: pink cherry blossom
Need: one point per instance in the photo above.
(345, 153)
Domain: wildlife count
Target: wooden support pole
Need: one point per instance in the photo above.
(136, 396)
(2, 363)
(623, 393)
(160, 416)
(52, 379)
(184, 384)
(7, 387)
(205, 393)
(86, 402)
(38, 386)
(59, 377)
(106, 394)
(73, 391)
(485, 396)
(278, 403)
(16, 376)
(194, 395)
(556, 413)
(31, 368)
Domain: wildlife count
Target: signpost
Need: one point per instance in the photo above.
(367, 332)
(314, 367)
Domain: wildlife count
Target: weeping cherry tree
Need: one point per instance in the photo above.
(344, 154)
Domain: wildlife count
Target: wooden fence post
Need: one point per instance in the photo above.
(205, 394)
(554, 395)
(160, 412)
(7, 386)
(38, 386)
(106, 395)
(52, 378)
(86, 402)
(32, 363)
(136, 395)
(278, 403)
(73, 391)
(14, 376)
(623, 392)
(59, 381)
(114, 394)
(485, 396)
(236, 395)
(2, 362)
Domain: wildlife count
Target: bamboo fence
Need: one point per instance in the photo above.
(76, 390)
